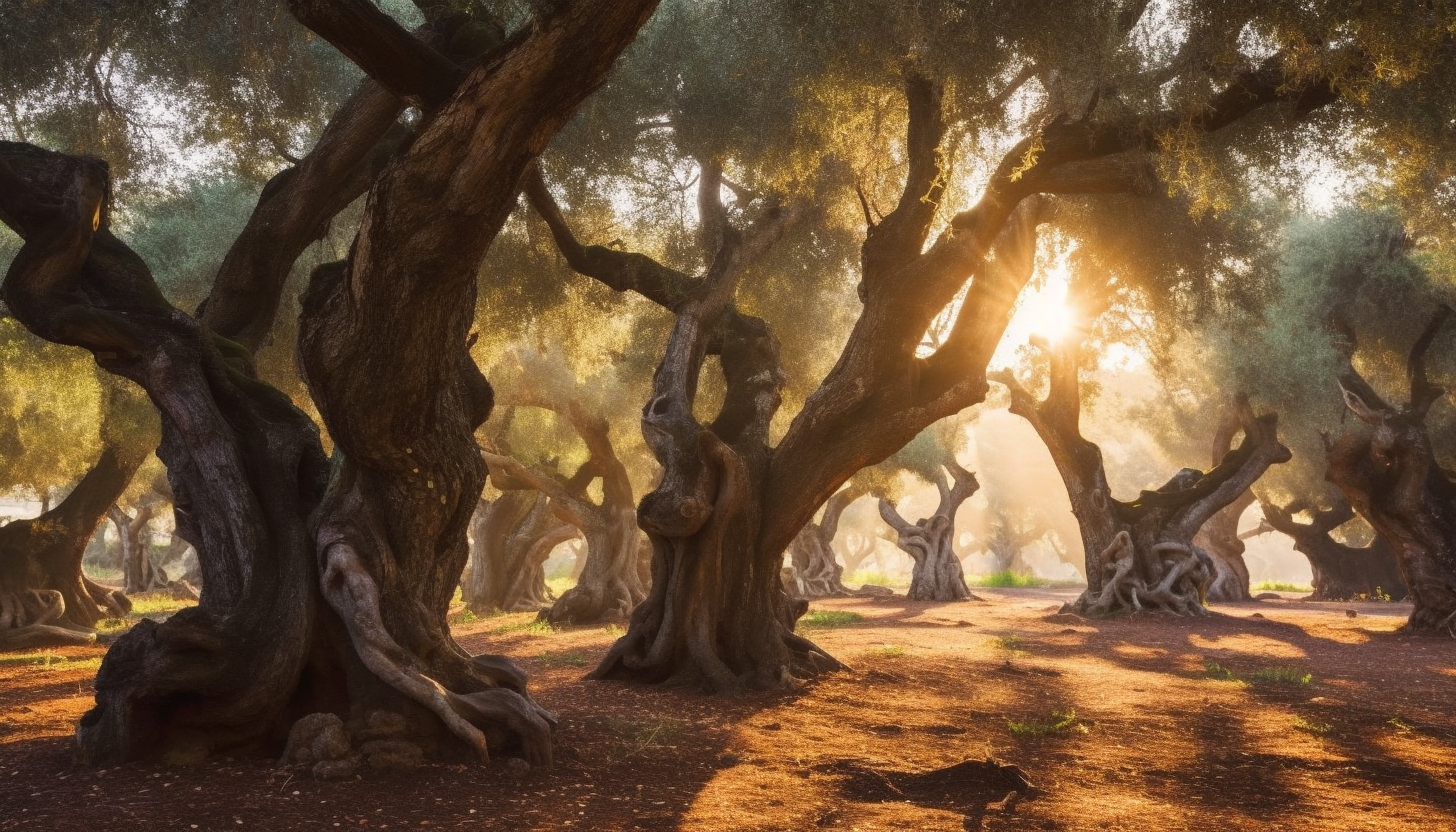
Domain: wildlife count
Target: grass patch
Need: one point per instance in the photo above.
(634, 736)
(1310, 727)
(560, 584)
(885, 651)
(1061, 721)
(571, 658)
(825, 619)
(49, 661)
(1007, 578)
(1399, 723)
(535, 626)
(1281, 676)
(614, 631)
(148, 604)
(1281, 586)
(1266, 676)
(465, 616)
(1016, 645)
(868, 576)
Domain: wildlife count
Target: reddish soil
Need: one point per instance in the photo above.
(1150, 740)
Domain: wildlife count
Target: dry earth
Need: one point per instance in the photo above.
(1120, 725)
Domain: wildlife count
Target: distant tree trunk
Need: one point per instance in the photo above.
(326, 586)
(1341, 572)
(816, 572)
(1140, 554)
(937, 574)
(139, 574)
(858, 548)
(1219, 537)
(512, 536)
(45, 598)
(608, 586)
(1391, 478)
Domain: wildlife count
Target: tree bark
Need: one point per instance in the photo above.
(139, 574)
(1341, 572)
(937, 574)
(1390, 476)
(512, 536)
(878, 396)
(1140, 554)
(1219, 537)
(378, 536)
(817, 574)
(608, 584)
(45, 598)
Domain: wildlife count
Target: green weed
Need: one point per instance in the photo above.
(1060, 721)
(824, 619)
(573, 658)
(1015, 645)
(1310, 727)
(1007, 578)
(633, 736)
(1399, 723)
(613, 630)
(885, 651)
(534, 626)
(1280, 676)
(1281, 586)
(49, 661)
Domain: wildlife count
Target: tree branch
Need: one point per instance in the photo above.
(399, 61)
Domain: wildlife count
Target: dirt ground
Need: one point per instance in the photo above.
(1269, 715)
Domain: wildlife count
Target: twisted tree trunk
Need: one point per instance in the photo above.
(45, 598)
(1140, 554)
(325, 586)
(1219, 537)
(512, 537)
(608, 584)
(937, 574)
(138, 572)
(1341, 572)
(1391, 478)
(817, 574)
(879, 394)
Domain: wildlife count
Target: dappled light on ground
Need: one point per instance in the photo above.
(1154, 723)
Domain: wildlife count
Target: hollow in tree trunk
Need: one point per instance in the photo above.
(325, 586)
(512, 537)
(817, 573)
(45, 598)
(937, 573)
(1390, 476)
(1341, 572)
(1140, 554)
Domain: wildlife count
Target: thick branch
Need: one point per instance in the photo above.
(400, 62)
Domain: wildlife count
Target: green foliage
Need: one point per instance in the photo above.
(634, 736)
(531, 626)
(1309, 726)
(49, 661)
(828, 619)
(571, 658)
(1264, 676)
(1280, 586)
(1060, 722)
(885, 651)
(1006, 578)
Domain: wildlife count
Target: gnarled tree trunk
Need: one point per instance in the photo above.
(1140, 554)
(325, 587)
(45, 598)
(1219, 537)
(511, 538)
(1390, 476)
(817, 574)
(138, 572)
(1341, 572)
(608, 583)
(937, 574)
